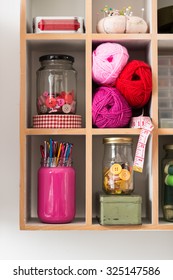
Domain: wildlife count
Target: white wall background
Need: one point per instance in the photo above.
(16, 244)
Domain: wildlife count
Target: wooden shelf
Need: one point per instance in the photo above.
(43, 36)
(165, 37)
(49, 131)
(79, 224)
(165, 131)
(140, 39)
(116, 131)
(88, 140)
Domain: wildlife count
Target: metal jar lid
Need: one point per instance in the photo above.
(168, 147)
(56, 57)
(117, 140)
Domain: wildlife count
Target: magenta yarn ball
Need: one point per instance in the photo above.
(109, 108)
(109, 60)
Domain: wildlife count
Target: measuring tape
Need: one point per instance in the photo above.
(147, 126)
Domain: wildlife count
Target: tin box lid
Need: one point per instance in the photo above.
(107, 198)
(117, 140)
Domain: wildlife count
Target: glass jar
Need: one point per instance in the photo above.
(56, 85)
(56, 194)
(118, 166)
(167, 183)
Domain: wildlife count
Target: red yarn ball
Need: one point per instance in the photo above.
(109, 108)
(135, 83)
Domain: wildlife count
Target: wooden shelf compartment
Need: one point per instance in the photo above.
(31, 164)
(51, 8)
(142, 181)
(97, 6)
(138, 50)
(163, 140)
(165, 82)
(37, 48)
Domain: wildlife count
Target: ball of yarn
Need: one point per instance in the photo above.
(109, 108)
(108, 61)
(135, 83)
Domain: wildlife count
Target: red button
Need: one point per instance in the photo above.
(68, 98)
(50, 102)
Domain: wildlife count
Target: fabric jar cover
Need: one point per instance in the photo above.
(57, 121)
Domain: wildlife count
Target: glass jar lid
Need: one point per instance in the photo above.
(117, 140)
(56, 57)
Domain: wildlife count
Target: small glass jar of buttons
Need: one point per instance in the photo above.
(118, 166)
(56, 85)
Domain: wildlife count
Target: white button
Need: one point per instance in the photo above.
(66, 108)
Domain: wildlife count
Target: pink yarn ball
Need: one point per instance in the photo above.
(110, 109)
(109, 60)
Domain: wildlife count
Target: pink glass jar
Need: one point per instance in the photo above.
(56, 194)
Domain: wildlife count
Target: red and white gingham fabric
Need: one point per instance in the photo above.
(57, 121)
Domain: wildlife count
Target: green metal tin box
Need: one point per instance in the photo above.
(119, 209)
